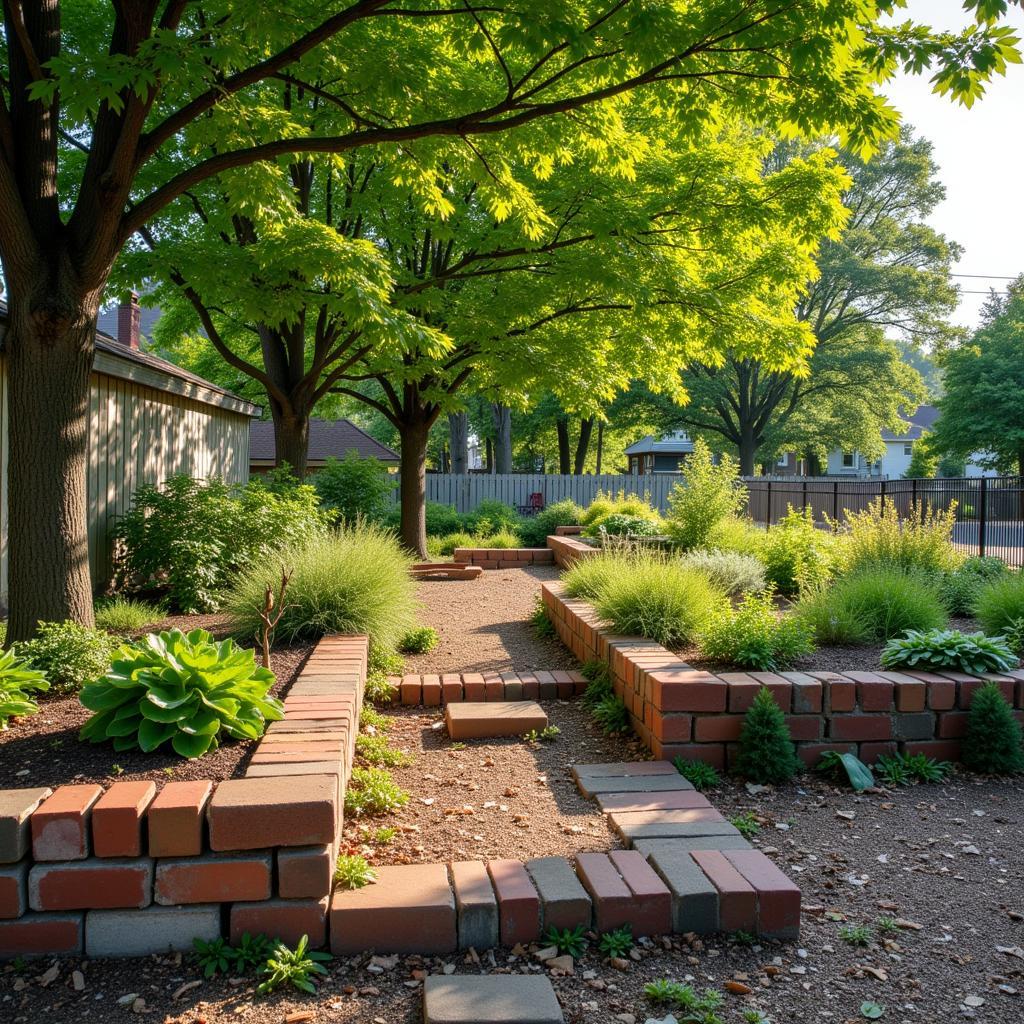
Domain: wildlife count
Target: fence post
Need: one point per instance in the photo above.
(881, 494)
(804, 489)
(768, 503)
(835, 506)
(982, 515)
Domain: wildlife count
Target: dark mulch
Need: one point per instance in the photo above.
(44, 749)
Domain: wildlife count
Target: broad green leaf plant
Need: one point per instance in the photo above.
(180, 688)
(18, 682)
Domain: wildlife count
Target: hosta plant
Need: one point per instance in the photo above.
(949, 648)
(17, 681)
(180, 688)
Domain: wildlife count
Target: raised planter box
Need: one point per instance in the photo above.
(679, 710)
(567, 550)
(504, 558)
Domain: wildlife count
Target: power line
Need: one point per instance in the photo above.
(988, 277)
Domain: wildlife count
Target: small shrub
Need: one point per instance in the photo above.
(698, 1009)
(797, 555)
(611, 715)
(992, 743)
(999, 606)
(535, 530)
(125, 616)
(213, 957)
(920, 542)
(378, 689)
(69, 654)
(904, 769)
(872, 605)
(737, 534)
(617, 942)
(949, 648)
(293, 967)
(548, 734)
(699, 773)
(599, 685)
(728, 571)
(383, 659)
(419, 641)
(251, 952)
(353, 581)
(18, 681)
(179, 688)
(375, 750)
(624, 504)
(355, 488)
(570, 941)
(501, 539)
(658, 599)
(441, 520)
(353, 872)
(618, 524)
(746, 824)
(766, 751)
(707, 495)
(755, 636)
(961, 588)
(439, 547)
(371, 718)
(543, 627)
(848, 766)
(887, 925)
(856, 935)
(492, 517)
(372, 791)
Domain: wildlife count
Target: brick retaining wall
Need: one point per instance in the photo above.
(567, 550)
(132, 871)
(679, 710)
(504, 558)
(453, 687)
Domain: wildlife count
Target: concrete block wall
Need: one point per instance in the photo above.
(681, 711)
(133, 870)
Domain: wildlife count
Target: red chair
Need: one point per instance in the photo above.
(536, 501)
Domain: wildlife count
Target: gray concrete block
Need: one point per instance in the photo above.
(591, 785)
(694, 898)
(153, 930)
(564, 903)
(672, 829)
(476, 906)
(688, 844)
(918, 726)
(16, 807)
(490, 999)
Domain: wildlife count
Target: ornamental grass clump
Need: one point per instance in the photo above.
(185, 689)
(659, 599)
(961, 588)
(993, 742)
(729, 571)
(999, 605)
(755, 636)
(355, 580)
(587, 577)
(766, 752)
(937, 649)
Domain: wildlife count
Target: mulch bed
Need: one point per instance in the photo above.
(44, 749)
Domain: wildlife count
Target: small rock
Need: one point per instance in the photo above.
(563, 964)
(49, 975)
(128, 999)
(737, 988)
(973, 1001)
(619, 963)
(625, 1018)
(547, 953)
(78, 981)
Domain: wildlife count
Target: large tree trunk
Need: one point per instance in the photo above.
(413, 528)
(583, 445)
(502, 438)
(748, 451)
(49, 359)
(458, 430)
(564, 464)
(291, 438)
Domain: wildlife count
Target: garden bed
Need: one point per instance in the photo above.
(44, 749)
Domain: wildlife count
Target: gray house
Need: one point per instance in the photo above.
(665, 454)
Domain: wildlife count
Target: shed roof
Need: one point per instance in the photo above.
(918, 422)
(326, 438)
(677, 443)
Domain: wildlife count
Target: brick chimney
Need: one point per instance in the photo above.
(129, 316)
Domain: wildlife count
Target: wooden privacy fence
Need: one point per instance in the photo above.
(466, 490)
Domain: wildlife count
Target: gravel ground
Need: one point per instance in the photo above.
(484, 624)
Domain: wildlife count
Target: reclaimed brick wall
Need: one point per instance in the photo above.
(454, 688)
(131, 871)
(679, 710)
(567, 550)
(504, 558)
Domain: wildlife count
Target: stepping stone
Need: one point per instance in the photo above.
(591, 786)
(626, 891)
(670, 800)
(694, 897)
(446, 571)
(670, 824)
(688, 844)
(473, 720)
(623, 769)
(490, 999)
(564, 902)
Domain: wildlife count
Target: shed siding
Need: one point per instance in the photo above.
(138, 434)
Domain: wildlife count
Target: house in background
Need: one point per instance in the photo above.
(148, 420)
(899, 449)
(665, 454)
(327, 439)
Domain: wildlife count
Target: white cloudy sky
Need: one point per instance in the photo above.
(980, 154)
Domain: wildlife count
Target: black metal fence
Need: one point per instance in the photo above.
(989, 510)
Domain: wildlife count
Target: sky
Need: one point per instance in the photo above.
(980, 153)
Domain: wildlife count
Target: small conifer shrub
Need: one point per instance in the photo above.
(766, 751)
(993, 740)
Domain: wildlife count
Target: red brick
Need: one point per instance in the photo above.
(531, 688)
(287, 920)
(670, 728)
(967, 687)
(911, 694)
(869, 753)
(546, 685)
(806, 693)
(253, 813)
(213, 879)
(781, 688)
(652, 901)
(518, 902)
(742, 690)
(687, 689)
(873, 692)
(409, 909)
(737, 900)
(803, 728)
(42, 935)
(494, 688)
(613, 900)
(710, 753)
(841, 692)
(717, 728)
(431, 686)
(810, 753)
(60, 825)
(117, 819)
(473, 686)
(13, 890)
(304, 872)
(411, 690)
(941, 750)
(951, 725)
(91, 885)
(860, 727)
(778, 899)
(451, 688)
